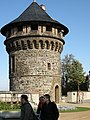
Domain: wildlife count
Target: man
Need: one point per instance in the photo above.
(49, 110)
(26, 109)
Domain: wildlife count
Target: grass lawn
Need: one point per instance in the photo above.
(78, 109)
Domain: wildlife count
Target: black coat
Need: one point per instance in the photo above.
(26, 112)
(49, 111)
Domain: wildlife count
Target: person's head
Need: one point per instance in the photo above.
(41, 99)
(24, 99)
(47, 98)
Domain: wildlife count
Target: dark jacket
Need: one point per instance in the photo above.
(49, 111)
(26, 112)
(39, 107)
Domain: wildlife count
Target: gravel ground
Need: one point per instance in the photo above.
(75, 116)
(85, 115)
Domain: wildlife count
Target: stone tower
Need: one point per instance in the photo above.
(34, 42)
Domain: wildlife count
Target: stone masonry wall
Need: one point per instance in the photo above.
(36, 69)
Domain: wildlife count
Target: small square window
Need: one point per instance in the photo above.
(48, 28)
(42, 29)
(49, 66)
(20, 28)
(34, 27)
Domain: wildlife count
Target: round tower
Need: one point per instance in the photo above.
(34, 42)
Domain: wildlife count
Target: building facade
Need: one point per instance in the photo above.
(34, 42)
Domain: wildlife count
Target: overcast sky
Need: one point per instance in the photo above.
(75, 14)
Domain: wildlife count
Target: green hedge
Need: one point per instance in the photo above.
(9, 106)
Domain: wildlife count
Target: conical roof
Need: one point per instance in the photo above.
(34, 13)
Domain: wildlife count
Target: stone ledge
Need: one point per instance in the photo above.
(9, 115)
(66, 107)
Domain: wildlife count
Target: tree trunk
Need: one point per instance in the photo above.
(78, 94)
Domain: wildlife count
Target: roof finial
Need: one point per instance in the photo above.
(34, 0)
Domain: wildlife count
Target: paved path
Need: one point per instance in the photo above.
(85, 115)
(77, 105)
(75, 116)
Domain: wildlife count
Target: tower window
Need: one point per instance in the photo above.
(48, 28)
(28, 43)
(34, 27)
(42, 29)
(20, 28)
(52, 45)
(49, 66)
(34, 43)
(17, 44)
(26, 28)
(13, 63)
(47, 44)
(59, 30)
(22, 43)
(41, 44)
